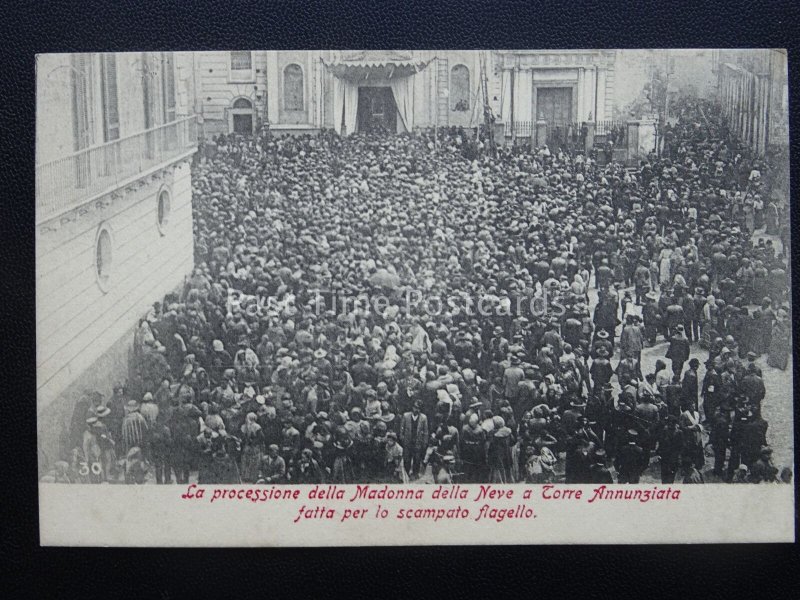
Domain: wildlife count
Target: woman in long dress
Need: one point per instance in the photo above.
(664, 268)
(343, 471)
(771, 217)
(499, 453)
(252, 448)
(779, 344)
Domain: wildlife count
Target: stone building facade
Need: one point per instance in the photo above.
(113, 217)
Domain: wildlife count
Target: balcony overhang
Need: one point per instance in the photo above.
(68, 183)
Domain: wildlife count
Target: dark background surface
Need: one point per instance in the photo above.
(32, 27)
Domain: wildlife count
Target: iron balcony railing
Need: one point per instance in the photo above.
(67, 182)
(519, 129)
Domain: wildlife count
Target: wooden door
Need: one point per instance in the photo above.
(554, 105)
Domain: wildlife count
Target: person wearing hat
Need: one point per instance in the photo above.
(219, 360)
(690, 386)
(599, 472)
(393, 470)
(149, 409)
(498, 345)
(752, 387)
(627, 370)
(751, 363)
(158, 449)
(474, 448)
(605, 317)
(719, 438)
(603, 341)
(99, 450)
(272, 469)
(690, 472)
(670, 449)
(306, 470)
(631, 341)
(629, 462)
(499, 458)
(601, 369)
(675, 316)
(414, 439)
(512, 376)
(678, 350)
(252, 439)
(134, 426)
(651, 317)
(99, 411)
(553, 339)
(245, 361)
(763, 470)
(117, 404)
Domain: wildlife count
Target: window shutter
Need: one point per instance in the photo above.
(168, 85)
(80, 101)
(241, 61)
(110, 102)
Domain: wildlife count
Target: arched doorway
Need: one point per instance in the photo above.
(240, 117)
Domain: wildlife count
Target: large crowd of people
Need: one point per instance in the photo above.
(385, 308)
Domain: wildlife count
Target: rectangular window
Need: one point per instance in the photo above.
(108, 70)
(80, 100)
(149, 102)
(242, 67)
(168, 85)
(147, 91)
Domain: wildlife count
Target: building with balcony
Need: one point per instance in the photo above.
(114, 141)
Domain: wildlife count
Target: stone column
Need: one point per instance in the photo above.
(647, 136)
(632, 133)
(273, 86)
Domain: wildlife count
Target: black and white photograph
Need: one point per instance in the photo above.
(414, 268)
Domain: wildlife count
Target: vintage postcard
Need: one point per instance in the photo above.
(314, 298)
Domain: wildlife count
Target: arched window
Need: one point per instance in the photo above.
(164, 208)
(241, 116)
(293, 87)
(103, 258)
(459, 88)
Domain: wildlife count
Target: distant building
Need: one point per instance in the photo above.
(753, 89)
(560, 87)
(297, 91)
(231, 91)
(114, 140)
(691, 72)
(400, 90)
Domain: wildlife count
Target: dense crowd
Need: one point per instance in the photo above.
(371, 307)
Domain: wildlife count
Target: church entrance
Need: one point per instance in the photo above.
(377, 112)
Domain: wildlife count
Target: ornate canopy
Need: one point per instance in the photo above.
(363, 65)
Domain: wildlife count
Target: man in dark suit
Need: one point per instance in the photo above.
(630, 460)
(273, 467)
(414, 436)
(599, 471)
(678, 351)
(690, 384)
